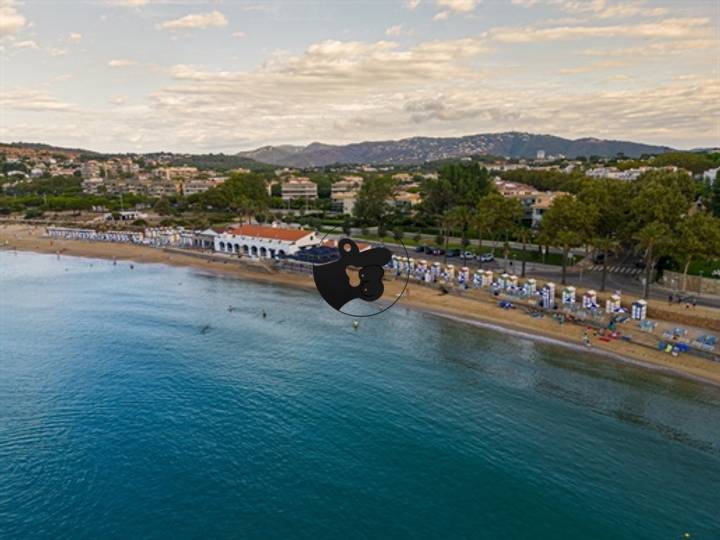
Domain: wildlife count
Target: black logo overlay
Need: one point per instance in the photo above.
(333, 283)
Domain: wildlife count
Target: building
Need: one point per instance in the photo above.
(264, 241)
(91, 185)
(344, 193)
(91, 169)
(540, 154)
(176, 174)
(406, 199)
(541, 205)
(710, 175)
(299, 188)
(527, 195)
(191, 187)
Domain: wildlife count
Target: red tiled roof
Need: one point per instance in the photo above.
(275, 233)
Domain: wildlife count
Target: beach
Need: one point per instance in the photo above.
(479, 308)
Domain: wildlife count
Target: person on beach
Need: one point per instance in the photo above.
(670, 298)
(694, 304)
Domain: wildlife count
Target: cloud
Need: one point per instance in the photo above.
(677, 28)
(121, 63)
(32, 100)
(29, 44)
(57, 51)
(130, 3)
(238, 34)
(608, 64)
(11, 21)
(463, 6)
(397, 30)
(74, 37)
(196, 21)
(656, 49)
(442, 16)
(605, 10)
(119, 100)
(412, 4)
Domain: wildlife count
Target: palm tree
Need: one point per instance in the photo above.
(461, 218)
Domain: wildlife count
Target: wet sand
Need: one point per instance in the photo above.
(474, 307)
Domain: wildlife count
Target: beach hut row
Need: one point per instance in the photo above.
(424, 271)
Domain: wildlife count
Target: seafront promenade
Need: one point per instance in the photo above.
(627, 341)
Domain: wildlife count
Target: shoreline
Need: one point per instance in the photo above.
(478, 312)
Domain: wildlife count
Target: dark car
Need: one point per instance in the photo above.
(599, 258)
(419, 249)
(453, 253)
(429, 250)
(438, 251)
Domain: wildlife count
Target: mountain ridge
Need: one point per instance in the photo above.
(416, 150)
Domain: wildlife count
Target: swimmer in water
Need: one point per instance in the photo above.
(264, 315)
(356, 325)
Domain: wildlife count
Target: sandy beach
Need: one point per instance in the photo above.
(476, 308)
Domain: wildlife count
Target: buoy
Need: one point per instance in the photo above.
(355, 325)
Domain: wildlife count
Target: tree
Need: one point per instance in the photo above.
(611, 200)
(347, 225)
(568, 223)
(162, 207)
(398, 234)
(698, 238)
(371, 207)
(655, 239)
(457, 184)
(499, 215)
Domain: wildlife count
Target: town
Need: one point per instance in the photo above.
(641, 218)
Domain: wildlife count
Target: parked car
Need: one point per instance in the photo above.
(420, 249)
(429, 250)
(486, 257)
(599, 258)
(438, 251)
(469, 255)
(453, 253)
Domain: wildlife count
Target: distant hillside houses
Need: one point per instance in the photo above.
(627, 174)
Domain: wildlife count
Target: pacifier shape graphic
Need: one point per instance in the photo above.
(333, 283)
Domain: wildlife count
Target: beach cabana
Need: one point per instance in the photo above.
(548, 295)
(639, 310)
(487, 278)
(590, 299)
(612, 304)
(531, 286)
(568, 295)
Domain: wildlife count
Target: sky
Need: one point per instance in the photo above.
(230, 75)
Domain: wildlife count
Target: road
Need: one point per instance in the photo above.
(625, 278)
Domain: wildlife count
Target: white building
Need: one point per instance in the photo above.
(710, 175)
(264, 241)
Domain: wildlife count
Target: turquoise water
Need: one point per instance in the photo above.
(134, 405)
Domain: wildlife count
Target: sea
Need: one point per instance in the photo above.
(158, 402)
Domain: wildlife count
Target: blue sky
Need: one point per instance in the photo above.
(227, 75)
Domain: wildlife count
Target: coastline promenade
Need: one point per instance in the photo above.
(472, 306)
